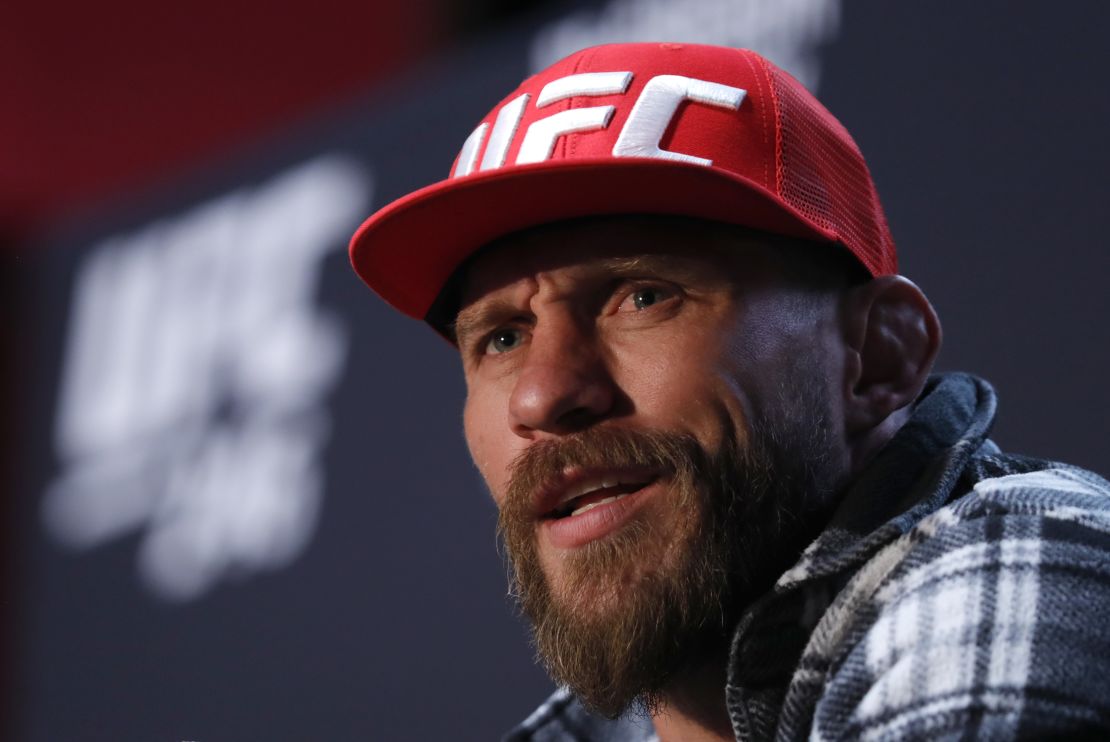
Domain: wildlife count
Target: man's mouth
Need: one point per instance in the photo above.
(584, 492)
(579, 506)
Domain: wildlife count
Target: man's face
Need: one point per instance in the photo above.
(649, 403)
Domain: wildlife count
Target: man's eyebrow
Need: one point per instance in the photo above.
(635, 263)
(481, 315)
(477, 317)
(675, 267)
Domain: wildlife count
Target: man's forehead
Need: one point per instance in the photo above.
(608, 245)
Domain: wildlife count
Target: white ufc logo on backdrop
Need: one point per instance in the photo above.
(191, 407)
(639, 137)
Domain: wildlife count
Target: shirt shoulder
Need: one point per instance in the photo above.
(986, 618)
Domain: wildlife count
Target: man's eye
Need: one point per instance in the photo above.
(645, 297)
(503, 341)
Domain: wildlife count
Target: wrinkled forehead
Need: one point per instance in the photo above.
(616, 244)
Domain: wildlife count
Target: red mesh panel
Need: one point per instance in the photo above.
(823, 175)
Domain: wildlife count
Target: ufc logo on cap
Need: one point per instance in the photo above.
(640, 137)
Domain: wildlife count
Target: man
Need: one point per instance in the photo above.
(735, 502)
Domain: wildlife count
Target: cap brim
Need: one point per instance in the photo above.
(408, 250)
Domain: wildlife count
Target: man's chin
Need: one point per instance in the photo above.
(591, 598)
(603, 575)
(613, 640)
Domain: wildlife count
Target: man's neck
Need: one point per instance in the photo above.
(693, 707)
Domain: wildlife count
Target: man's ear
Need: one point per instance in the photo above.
(892, 337)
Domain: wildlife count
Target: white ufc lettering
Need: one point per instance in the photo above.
(656, 107)
(539, 140)
(504, 128)
(640, 137)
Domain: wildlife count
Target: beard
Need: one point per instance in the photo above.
(635, 608)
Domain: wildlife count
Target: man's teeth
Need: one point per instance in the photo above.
(619, 486)
(592, 484)
(592, 505)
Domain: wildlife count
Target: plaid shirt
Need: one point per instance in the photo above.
(957, 592)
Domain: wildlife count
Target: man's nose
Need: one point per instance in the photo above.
(564, 384)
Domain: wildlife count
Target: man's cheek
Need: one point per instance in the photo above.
(492, 466)
(475, 433)
(493, 475)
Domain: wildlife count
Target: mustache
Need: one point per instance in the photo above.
(672, 454)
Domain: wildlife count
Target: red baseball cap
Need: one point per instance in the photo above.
(677, 129)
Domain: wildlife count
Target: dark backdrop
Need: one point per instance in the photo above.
(243, 507)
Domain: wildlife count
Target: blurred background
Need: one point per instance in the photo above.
(238, 505)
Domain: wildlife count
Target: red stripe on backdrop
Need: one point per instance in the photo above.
(95, 97)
